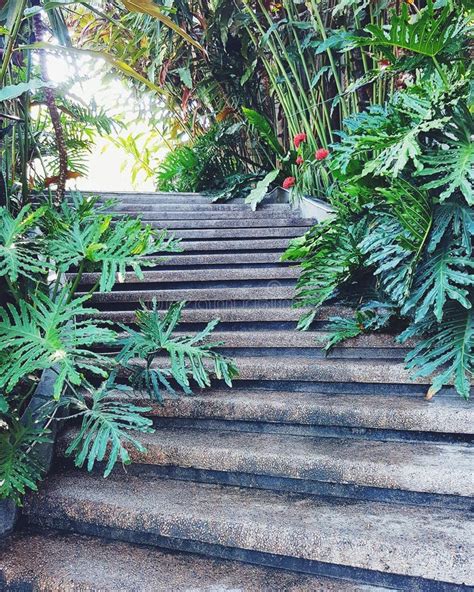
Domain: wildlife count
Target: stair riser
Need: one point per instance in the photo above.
(229, 246)
(180, 541)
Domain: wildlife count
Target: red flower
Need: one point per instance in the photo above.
(384, 64)
(289, 182)
(321, 153)
(299, 160)
(301, 137)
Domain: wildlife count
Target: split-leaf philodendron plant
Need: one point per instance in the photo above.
(45, 324)
(399, 246)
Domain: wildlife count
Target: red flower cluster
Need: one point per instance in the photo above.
(298, 139)
(299, 160)
(289, 182)
(321, 154)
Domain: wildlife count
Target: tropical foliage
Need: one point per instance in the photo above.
(400, 243)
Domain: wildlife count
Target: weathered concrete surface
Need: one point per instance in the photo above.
(202, 275)
(55, 562)
(384, 412)
(422, 542)
(415, 467)
(228, 295)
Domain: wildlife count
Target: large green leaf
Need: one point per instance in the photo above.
(265, 129)
(108, 427)
(20, 467)
(261, 189)
(428, 33)
(444, 274)
(109, 248)
(447, 354)
(16, 90)
(186, 355)
(47, 334)
(19, 252)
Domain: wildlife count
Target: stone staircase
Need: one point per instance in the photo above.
(312, 474)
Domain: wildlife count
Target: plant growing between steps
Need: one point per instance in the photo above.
(45, 325)
(400, 242)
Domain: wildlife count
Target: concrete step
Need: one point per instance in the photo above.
(150, 205)
(382, 416)
(276, 368)
(201, 275)
(239, 233)
(406, 547)
(148, 212)
(401, 472)
(154, 196)
(57, 562)
(257, 313)
(157, 222)
(220, 260)
(228, 295)
(249, 245)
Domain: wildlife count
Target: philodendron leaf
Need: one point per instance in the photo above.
(3, 404)
(261, 189)
(16, 90)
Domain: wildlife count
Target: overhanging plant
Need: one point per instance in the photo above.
(46, 326)
(399, 246)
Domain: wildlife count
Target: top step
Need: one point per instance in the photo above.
(157, 197)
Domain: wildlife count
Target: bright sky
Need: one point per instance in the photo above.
(105, 166)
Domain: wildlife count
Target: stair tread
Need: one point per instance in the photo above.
(200, 275)
(413, 541)
(210, 223)
(59, 562)
(410, 466)
(238, 232)
(235, 314)
(307, 368)
(197, 294)
(250, 244)
(386, 412)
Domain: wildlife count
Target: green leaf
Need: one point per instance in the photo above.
(106, 430)
(185, 356)
(447, 353)
(185, 76)
(264, 128)
(329, 254)
(16, 90)
(261, 189)
(47, 334)
(444, 274)
(20, 467)
(19, 250)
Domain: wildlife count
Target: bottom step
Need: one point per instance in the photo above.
(55, 562)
